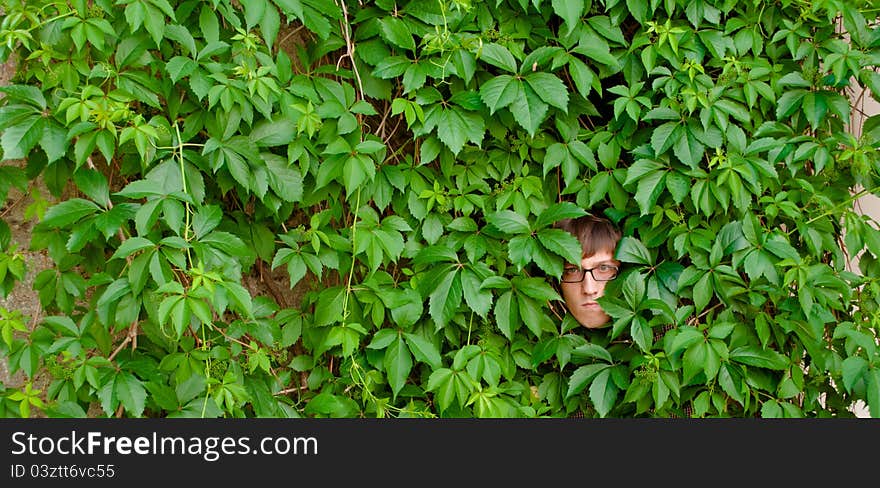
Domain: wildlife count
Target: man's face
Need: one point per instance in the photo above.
(580, 297)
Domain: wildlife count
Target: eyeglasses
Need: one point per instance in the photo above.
(603, 272)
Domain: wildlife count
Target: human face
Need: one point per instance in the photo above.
(580, 298)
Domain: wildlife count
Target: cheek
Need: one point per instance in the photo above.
(569, 291)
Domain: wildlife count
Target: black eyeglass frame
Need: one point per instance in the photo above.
(584, 272)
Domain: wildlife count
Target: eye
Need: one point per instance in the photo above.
(605, 268)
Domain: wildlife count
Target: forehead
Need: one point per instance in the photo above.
(601, 257)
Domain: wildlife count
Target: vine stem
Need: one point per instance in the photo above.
(345, 311)
(349, 46)
(178, 149)
(848, 201)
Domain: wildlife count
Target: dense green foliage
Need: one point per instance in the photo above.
(400, 165)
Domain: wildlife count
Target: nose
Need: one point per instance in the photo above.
(590, 286)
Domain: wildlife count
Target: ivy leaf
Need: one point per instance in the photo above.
(763, 358)
(664, 137)
(595, 48)
(603, 392)
(550, 89)
(328, 309)
(507, 315)
(582, 76)
(398, 364)
(815, 107)
(529, 110)
(688, 148)
(854, 369)
(582, 377)
(557, 212)
(638, 9)
(478, 299)
(445, 299)
(131, 246)
(570, 11)
(442, 382)
(649, 190)
(500, 92)
(509, 222)
(130, 392)
(788, 103)
(562, 243)
(179, 67)
(498, 56)
(94, 184)
(456, 126)
(68, 212)
(423, 350)
(631, 250)
(18, 140)
(873, 391)
(395, 31)
(702, 292)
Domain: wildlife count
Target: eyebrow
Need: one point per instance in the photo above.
(611, 262)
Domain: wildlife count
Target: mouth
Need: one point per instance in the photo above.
(591, 305)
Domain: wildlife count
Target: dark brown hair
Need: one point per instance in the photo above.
(595, 234)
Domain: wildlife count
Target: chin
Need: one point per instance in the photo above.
(595, 325)
(594, 322)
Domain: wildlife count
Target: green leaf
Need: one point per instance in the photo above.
(180, 67)
(595, 48)
(631, 250)
(703, 292)
(442, 382)
(445, 299)
(328, 309)
(391, 67)
(562, 243)
(68, 212)
(688, 148)
(18, 140)
(498, 56)
(395, 31)
(529, 110)
(665, 136)
(638, 9)
(763, 358)
(582, 377)
(456, 126)
(603, 392)
(582, 76)
(788, 103)
(509, 222)
(536, 288)
(131, 246)
(854, 369)
(872, 395)
(424, 350)
(815, 107)
(550, 89)
(131, 393)
(649, 190)
(94, 184)
(500, 92)
(398, 364)
(54, 142)
(507, 315)
(570, 11)
(557, 212)
(478, 299)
